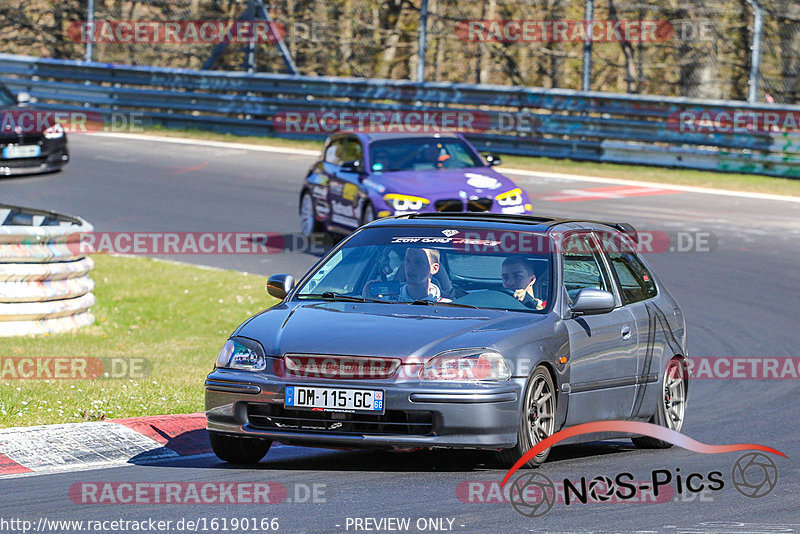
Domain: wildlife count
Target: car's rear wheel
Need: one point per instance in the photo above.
(238, 450)
(308, 215)
(671, 409)
(537, 421)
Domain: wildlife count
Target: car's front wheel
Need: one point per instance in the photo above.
(537, 421)
(368, 214)
(238, 450)
(671, 409)
(308, 216)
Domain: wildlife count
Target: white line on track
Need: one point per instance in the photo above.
(519, 172)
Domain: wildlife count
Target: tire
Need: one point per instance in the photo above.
(671, 408)
(539, 405)
(308, 216)
(367, 214)
(238, 450)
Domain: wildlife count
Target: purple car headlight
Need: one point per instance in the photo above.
(510, 198)
(405, 202)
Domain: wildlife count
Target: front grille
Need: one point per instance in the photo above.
(391, 423)
(26, 138)
(479, 204)
(340, 367)
(450, 204)
(19, 163)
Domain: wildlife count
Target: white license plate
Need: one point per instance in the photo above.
(21, 151)
(334, 399)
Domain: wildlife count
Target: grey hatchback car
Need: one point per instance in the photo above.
(452, 330)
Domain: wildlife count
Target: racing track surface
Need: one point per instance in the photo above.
(739, 300)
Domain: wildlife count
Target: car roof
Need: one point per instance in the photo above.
(379, 136)
(500, 221)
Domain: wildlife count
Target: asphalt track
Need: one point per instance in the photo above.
(739, 300)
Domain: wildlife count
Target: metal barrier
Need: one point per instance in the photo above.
(44, 283)
(558, 123)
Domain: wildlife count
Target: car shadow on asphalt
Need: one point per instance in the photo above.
(415, 461)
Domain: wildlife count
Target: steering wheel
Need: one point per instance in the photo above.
(502, 298)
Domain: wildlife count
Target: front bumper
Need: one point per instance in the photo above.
(54, 157)
(463, 415)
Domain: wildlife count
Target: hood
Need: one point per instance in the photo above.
(446, 183)
(411, 332)
(24, 119)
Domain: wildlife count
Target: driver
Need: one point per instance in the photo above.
(519, 276)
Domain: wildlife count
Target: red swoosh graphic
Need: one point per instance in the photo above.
(634, 427)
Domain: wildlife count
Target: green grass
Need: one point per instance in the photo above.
(737, 182)
(177, 316)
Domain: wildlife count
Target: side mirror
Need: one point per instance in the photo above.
(493, 160)
(23, 97)
(590, 301)
(352, 166)
(279, 285)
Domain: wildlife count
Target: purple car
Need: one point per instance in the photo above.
(362, 177)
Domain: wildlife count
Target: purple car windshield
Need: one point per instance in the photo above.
(421, 154)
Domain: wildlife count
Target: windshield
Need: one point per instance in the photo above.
(6, 98)
(421, 154)
(438, 265)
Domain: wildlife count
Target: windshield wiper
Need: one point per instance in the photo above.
(423, 302)
(332, 295)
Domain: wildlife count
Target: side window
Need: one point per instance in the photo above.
(332, 152)
(583, 266)
(349, 150)
(635, 281)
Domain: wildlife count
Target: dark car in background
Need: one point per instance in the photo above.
(364, 176)
(355, 356)
(31, 141)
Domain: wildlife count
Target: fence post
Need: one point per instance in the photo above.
(587, 46)
(250, 48)
(755, 50)
(89, 52)
(422, 43)
(279, 39)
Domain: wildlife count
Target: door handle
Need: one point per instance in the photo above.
(626, 332)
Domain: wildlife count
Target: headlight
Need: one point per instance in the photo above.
(236, 356)
(510, 198)
(405, 202)
(473, 364)
(54, 132)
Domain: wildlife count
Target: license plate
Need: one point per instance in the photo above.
(21, 151)
(334, 399)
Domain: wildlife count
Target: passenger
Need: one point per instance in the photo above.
(420, 265)
(519, 276)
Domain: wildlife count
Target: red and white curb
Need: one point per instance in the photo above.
(79, 446)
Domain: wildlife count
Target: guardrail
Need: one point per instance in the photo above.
(44, 285)
(559, 123)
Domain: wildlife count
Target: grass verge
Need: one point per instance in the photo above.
(176, 316)
(752, 183)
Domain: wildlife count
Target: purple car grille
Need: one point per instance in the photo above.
(457, 205)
